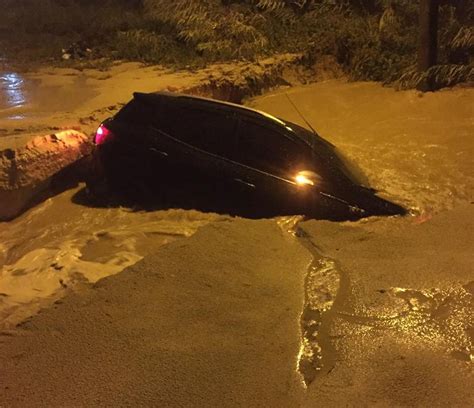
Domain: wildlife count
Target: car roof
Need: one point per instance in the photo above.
(305, 135)
(177, 97)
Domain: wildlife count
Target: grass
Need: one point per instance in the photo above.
(371, 40)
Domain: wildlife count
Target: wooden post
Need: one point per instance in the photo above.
(428, 43)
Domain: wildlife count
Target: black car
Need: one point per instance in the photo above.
(186, 150)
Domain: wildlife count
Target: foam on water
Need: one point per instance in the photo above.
(59, 244)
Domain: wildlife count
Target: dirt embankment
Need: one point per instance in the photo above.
(32, 151)
(29, 170)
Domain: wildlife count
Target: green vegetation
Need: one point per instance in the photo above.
(370, 39)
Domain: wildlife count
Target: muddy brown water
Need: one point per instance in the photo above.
(416, 150)
(28, 97)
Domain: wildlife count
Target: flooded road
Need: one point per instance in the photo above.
(65, 97)
(415, 149)
(376, 312)
(31, 97)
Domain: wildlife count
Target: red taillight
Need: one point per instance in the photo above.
(103, 135)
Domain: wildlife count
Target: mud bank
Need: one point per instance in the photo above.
(28, 170)
(66, 98)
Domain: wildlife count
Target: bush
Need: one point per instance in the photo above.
(41, 30)
(210, 29)
(370, 39)
(437, 77)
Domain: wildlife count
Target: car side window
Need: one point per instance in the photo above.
(210, 130)
(267, 149)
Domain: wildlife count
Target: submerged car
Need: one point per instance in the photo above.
(166, 144)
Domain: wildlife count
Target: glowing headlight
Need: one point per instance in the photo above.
(306, 178)
(302, 180)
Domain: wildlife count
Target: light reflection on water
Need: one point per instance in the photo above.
(12, 89)
(42, 95)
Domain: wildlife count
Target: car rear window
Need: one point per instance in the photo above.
(136, 111)
(211, 130)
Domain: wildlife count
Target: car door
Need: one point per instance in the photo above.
(195, 140)
(268, 161)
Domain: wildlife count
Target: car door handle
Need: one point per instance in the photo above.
(245, 183)
(164, 154)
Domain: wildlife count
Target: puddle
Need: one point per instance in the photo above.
(438, 318)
